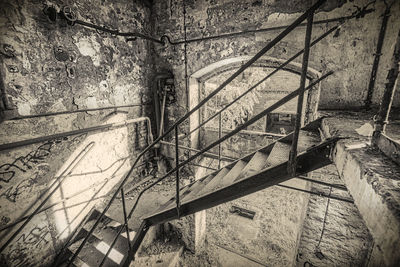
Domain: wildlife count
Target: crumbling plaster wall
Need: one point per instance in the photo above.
(52, 67)
(106, 70)
(349, 53)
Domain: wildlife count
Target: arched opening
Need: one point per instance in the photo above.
(205, 80)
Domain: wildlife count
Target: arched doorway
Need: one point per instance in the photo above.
(205, 80)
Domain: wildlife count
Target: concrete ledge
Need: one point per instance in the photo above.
(373, 180)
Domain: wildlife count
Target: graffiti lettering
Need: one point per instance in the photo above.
(35, 237)
(18, 256)
(13, 192)
(27, 163)
(22, 164)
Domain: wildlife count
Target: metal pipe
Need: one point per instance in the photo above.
(108, 126)
(358, 14)
(73, 111)
(125, 219)
(378, 54)
(292, 164)
(280, 67)
(177, 170)
(321, 194)
(116, 32)
(68, 170)
(387, 98)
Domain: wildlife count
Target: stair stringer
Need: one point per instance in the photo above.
(314, 158)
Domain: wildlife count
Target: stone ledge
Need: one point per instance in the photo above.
(373, 180)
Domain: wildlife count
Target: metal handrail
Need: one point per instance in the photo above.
(280, 67)
(270, 45)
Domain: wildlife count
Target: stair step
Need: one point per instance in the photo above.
(183, 192)
(279, 154)
(213, 184)
(94, 250)
(232, 174)
(306, 139)
(200, 185)
(256, 164)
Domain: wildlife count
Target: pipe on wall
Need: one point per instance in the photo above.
(13, 145)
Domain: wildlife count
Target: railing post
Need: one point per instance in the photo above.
(219, 137)
(292, 164)
(126, 219)
(177, 170)
(390, 86)
(378, 54)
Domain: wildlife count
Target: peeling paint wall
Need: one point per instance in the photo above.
(349, 52)
(50, 67)
(53, 67)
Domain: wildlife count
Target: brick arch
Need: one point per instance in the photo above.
(197, 79)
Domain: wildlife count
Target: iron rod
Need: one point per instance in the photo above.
(378, 53)
(116, 32)
(108, 126)
(68, 170)
(177, 169)
(219, 137)
(72, 111)
(321, 194)
(280, 67)
(125, 219)
(293, 151)
(359, 14)
(387, 98)
(111, 246)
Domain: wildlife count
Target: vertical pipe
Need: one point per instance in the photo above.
(378, 54)
(177, 169)
(125, 219)
(219, 137)
(387, 98)
(293, 152)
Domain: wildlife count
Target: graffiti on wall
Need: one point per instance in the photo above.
(27, 166)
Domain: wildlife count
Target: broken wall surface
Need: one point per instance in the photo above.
(50, 67)
(348, 52)
(54, 67)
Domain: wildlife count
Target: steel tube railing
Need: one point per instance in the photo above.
(177, 169)
(126, 219)
(280, 67)
(232, 133)
(187, 115)
(293, 151)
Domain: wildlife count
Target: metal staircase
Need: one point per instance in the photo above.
(261, 169)
(297, 153)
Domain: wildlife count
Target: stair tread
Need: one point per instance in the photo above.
(94, 250)
(215, 181)
(199, 186)
(232, 174)
(256, 164)
(279, 154)
(183, 192)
